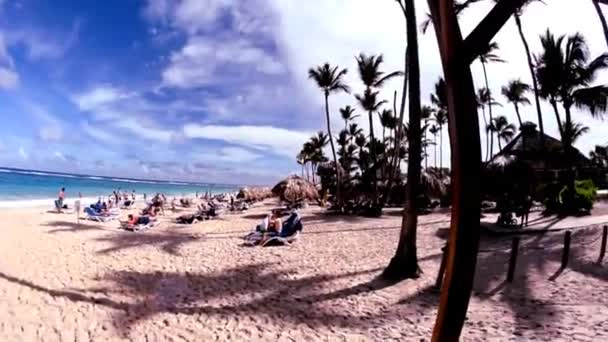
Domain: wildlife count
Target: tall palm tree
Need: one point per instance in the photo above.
(330, 80)
(517, 15)
(373, 78)
(440, 111)
(347, 114)
(488, 55)
(503, 129)
(386, 121)
(404, 263)
(567, 71)
(600, 14)
(515, 92)
(318, 143)
(354, 130)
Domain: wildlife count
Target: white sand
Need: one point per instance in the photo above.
(60, 281)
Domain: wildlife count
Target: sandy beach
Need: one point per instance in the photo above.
(61, 281)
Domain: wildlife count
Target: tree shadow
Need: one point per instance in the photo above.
(535, 252)
(169, 242)
(71, 227)
(250, 290)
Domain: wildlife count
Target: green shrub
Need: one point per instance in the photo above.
(585, 193)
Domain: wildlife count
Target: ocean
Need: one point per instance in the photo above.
(37, 188)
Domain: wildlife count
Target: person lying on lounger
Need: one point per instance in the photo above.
(137, 220)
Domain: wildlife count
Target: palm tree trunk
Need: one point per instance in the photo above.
(485, 76)
(312, 168)
(302, 170)
(333, 151)
(534, 81)
(374, 161)
(435, 148)
(441, 147)
(307, 174)
(600, 14)
(485, 123)
(499, 146)
(405, 262)
(557, 117)
(517, 112)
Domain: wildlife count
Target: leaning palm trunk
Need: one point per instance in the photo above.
(485, 76)
(333, 152)
(517, 112)
(558, 119)
(441, 147)
(396, 161)
(405, 262)
(600, 14)
(541, 127)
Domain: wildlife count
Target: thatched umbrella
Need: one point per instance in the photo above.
(294, 188)
(254, 194)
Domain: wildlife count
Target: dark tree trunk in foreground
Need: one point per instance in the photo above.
(541, 127)
(600, 14)
(405, 262)
(456, 56)
(333, 152)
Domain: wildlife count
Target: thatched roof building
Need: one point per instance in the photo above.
(527, 147)
(295, 188)
(254, 193)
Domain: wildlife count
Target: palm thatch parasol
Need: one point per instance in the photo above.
(435, 182)
(294, 188)
(254, 193)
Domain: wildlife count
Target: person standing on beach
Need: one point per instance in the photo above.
(60, 199)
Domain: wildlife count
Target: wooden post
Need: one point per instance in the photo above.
(566, 253)
(513, 259)
(603, 247)
(439, 280)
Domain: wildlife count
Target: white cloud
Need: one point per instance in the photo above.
(23, 153)
(205, 60)
(9, 79)
(147, 132)
(50, 128)
(59, 156)
(101, 135)
(98, 97)
(228, 155)
(276, 140)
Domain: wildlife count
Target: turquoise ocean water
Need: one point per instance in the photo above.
(22, 187)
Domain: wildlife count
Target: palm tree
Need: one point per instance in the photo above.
(599, 156)
(318, 143)
(574, 130)
(600, 14)
(567, 73)
(426, 114)
(515, 92)
(386, 121)
(503, 129)
(347, 114)
(434, 130)
(484, 98)
(369, 102)
(301, 161)
(354, 130)
(440, 111)
(517, 15)
(488, 55)
(329, 79)
(404, 263)
(373, 78)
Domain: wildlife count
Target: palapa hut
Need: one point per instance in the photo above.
(523, 166)
(295, 189)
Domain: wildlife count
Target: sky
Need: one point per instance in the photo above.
(217, 90)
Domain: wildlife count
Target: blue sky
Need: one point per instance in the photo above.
(209, 90)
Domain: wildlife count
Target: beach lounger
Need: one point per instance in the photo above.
(95, 216)
(289, 232)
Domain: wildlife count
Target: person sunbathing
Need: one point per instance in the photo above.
(134, 220)
(274, 223)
